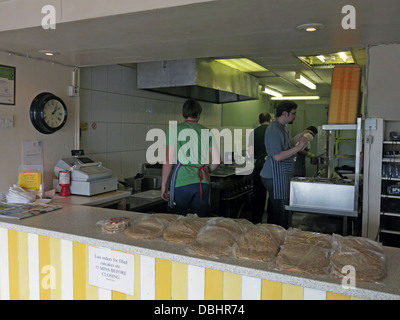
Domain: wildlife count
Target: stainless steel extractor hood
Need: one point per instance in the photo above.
(199, 79)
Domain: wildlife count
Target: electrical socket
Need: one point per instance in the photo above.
(73, 91)
(369, 139)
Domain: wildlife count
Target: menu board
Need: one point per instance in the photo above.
(7, 85)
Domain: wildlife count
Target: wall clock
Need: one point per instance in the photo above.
(48, 113)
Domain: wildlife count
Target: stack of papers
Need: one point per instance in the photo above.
(17, 194)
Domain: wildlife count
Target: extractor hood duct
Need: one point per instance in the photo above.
(199, 79)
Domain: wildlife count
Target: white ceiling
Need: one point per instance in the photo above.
(262, 30)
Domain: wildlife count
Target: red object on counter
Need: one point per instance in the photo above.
(64, 180)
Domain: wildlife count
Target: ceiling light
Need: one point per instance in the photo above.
(330, 59)
(272, 92)
(242, 64)
(49, 53)
(343, 56)
(310, 27)
(303, 80)
(321, 57)
(296, 98)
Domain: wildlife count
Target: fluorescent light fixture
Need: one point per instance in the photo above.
(242, 64)
(343, 56)
(296, 98)
(303, 80)
(329, 59)
(272, 92)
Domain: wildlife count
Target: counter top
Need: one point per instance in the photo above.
(81, 226)
(96, 200)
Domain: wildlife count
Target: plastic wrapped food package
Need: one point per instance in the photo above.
(234, 226)
(278, 232)
(305, 252)
(365, 255)
(292, 250)
(218, 236)
(184, 230)
(213, 241)
(307, 237)
(114, 224)
(258, 243)
(303, 258)
(149, 226)
(167, 217)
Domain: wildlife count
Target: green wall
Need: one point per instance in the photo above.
(245, 113)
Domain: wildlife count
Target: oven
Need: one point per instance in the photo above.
(231, 195)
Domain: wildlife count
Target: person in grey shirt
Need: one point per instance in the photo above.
(278, 169)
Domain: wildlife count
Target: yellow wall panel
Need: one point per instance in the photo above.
(213, 285)
(44, 262)
(336, 296)
(163, 279)
(55, 263)
(179, 281)
(136, 296)
(92, 292)
(271, 290)
(23, 263)
(356, 298)
(291, 292)
(79, 270)
(231, 286)
(115, 295)
(13, 264)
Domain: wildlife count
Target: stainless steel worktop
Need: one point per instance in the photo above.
(144, 201)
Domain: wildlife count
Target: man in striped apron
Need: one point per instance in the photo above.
(278, 168)
(191, 153)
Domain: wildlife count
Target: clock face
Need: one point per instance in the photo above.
(48, 113)
(53, 113)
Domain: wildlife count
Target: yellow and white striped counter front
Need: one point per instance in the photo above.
(34, 267)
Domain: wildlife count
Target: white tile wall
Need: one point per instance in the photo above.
(119, 116)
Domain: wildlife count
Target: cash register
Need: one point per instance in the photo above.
(88, 177)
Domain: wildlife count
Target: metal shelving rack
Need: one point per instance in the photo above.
(332, 156)
(390, 219)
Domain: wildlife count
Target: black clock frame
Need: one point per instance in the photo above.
(37, 115)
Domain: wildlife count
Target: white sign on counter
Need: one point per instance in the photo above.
(112, 270)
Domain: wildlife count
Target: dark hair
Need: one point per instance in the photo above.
(191, 109)
(313, 129)
(264, 117)
(285, 105)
